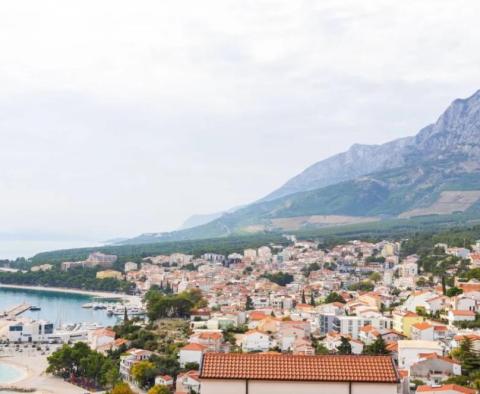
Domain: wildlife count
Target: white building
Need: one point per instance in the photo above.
(30, 331)
(285, 374)
(131, 357)
(250, 254)
(409, 351)
(191, 353)
(253, 341)
(351, 325)
(100, 337)
(457, 316)
(131, 266)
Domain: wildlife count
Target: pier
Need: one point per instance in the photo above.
(17, 310)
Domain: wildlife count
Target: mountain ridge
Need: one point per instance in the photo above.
(382, 181)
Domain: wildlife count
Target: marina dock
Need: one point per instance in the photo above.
(17, 310)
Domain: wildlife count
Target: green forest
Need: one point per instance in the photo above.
(77, 278)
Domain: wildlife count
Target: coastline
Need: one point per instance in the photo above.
(98, 294)
(35, 376)
(24, 370)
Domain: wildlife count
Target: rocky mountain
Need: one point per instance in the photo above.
(452, 130)
(437, 172)
(355, 162)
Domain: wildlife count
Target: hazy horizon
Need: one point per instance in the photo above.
(118, 120)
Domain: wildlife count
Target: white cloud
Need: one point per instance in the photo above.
(118, 118)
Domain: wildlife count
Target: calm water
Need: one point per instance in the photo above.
(59, 308)
(9, 374)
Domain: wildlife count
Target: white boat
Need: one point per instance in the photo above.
(88, 305)
(131, 311)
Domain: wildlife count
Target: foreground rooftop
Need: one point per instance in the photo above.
(326, 368)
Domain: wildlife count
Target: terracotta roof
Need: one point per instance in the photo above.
(410, 314)
(435, 356)
(469, 287)
(331, 368)
(392, 347)
(472, 337)
(194, 346)
(463, 313)
(104, 332)
(255, 315)
(209, 335)
(422, 326)
(445, 387)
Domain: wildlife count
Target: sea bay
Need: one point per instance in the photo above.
(57, 307)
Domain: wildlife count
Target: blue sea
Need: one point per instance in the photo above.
(59, 308)
(9, 374)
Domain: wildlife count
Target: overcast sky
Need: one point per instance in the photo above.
(121, 117)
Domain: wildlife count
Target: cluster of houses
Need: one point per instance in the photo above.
(356, 292)
(418, 324)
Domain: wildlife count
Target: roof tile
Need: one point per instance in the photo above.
(299, 368)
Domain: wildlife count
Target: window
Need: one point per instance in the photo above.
(48, 328)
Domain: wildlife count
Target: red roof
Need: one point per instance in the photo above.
(463, 313)
(422, 326)
(445, 387)
(327, 368)
(194, 346)
(256, 315)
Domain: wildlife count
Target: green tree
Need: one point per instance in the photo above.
(377, 347)
(312, 299)
(365, 285)
(192, 366)
(304, 300)
(80, 361)
(159, 389)
(334, 297)
(179, 305)
(375, 277)
(122, 388)
(249, 304)
(321, 349)
(454, 291)
(280, 278)
(421, 282)
(144, 373)
(444, 285)
(344, 347)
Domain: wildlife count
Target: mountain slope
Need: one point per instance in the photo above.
(355, 162)
(402, 178)
(450, 129)
(198, 220)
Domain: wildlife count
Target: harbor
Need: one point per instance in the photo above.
(66, 307)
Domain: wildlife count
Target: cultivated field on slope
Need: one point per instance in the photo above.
(299, 222)
(448, 202)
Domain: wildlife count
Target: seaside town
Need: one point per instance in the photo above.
(286, 314)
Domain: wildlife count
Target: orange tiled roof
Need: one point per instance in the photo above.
(194, 346)
(469, 287)
(435, 356)
(463, 313)
(332, 368)
(422, 326)
(445, 387)
(256, 315)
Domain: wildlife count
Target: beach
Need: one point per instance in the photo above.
(34, 365)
